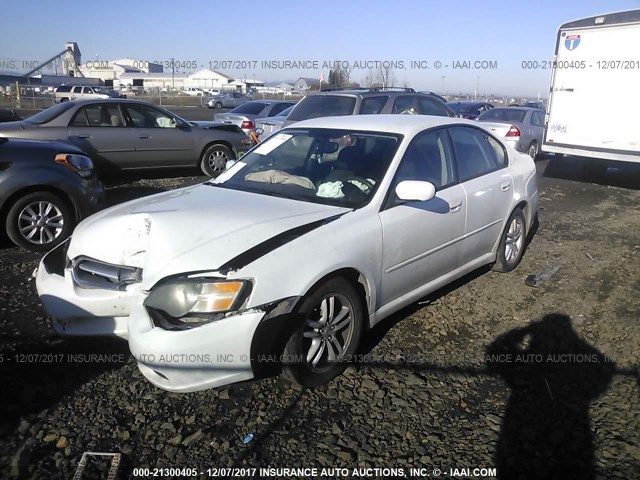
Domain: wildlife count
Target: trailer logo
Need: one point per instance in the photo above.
(572, 42)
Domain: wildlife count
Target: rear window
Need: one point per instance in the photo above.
(50, 113)
(315, 106)
(250, 107)
(504, 115)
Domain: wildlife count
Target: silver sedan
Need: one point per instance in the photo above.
(131, 135)
(521, 127)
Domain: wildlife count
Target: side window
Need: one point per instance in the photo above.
(87, 90)
(405, 104)
(429, 106)
(477, 153)
(98, 116)
(147, 117)
(373, 104)
(428, 158)
(77, 89)
(88, 116)
(537, 119)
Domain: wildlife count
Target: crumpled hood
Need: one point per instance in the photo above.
(190, 229)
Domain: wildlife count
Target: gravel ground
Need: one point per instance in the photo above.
(536, 382)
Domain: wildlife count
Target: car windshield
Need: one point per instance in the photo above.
(315, 106)
(50, 113)
(503, 115)
(464, 107)
(327, 166)
(252, 108)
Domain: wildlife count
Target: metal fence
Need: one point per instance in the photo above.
(29, 99)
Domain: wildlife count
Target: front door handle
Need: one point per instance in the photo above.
(84, 135)
(144, 136)
(505, 186)
(455, 206)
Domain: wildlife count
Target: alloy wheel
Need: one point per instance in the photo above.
(40, 222)
(329, 331)
(514, 240)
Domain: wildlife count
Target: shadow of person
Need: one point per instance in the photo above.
(554, 375)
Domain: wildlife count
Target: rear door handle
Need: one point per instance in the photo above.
(84, 135)
(455, 206)
(144, 136)
(505, 186)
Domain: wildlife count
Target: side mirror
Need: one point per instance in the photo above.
(415, 191)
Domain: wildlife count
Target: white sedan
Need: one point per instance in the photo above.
(283, 261)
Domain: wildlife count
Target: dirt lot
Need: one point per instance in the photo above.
(489, 373)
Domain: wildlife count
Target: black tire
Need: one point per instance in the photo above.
(64, 99)
(214, 159)
(218, 105)
(39, 221)
(309, 365)
(532, 151)
(512, 243)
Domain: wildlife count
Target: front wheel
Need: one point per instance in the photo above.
(533, 150)
(214, 160)
(512, 243)
(39, 221)
(332, 320)
(218, 105)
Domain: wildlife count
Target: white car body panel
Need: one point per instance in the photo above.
(198, 230)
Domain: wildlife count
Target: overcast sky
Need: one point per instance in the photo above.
(207, 34)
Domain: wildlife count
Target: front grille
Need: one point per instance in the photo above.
(90, 273)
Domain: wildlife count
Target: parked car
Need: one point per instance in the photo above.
(8, 115)
(132, 135)
(469, 110)
(192, 91)
(212, 91)
(64, 93)
(367, 101)
(521, 127)
(266, 126)
(45, 189)
(228, 100)
(320, 232)
(245, 114)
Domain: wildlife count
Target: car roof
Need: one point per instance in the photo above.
(466, 103)
(516, 107)
(386, 122)
(288, 102)
(102, 100)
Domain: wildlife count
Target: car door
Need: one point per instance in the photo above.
(481, 163)
(422, 240)
(76, 93)
(160, 139)
(100, 130)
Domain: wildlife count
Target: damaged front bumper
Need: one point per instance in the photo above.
(225, 351)
(82, 311)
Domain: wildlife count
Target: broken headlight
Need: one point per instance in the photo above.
(190, 302)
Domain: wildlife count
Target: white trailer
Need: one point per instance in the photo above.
(594, 98)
